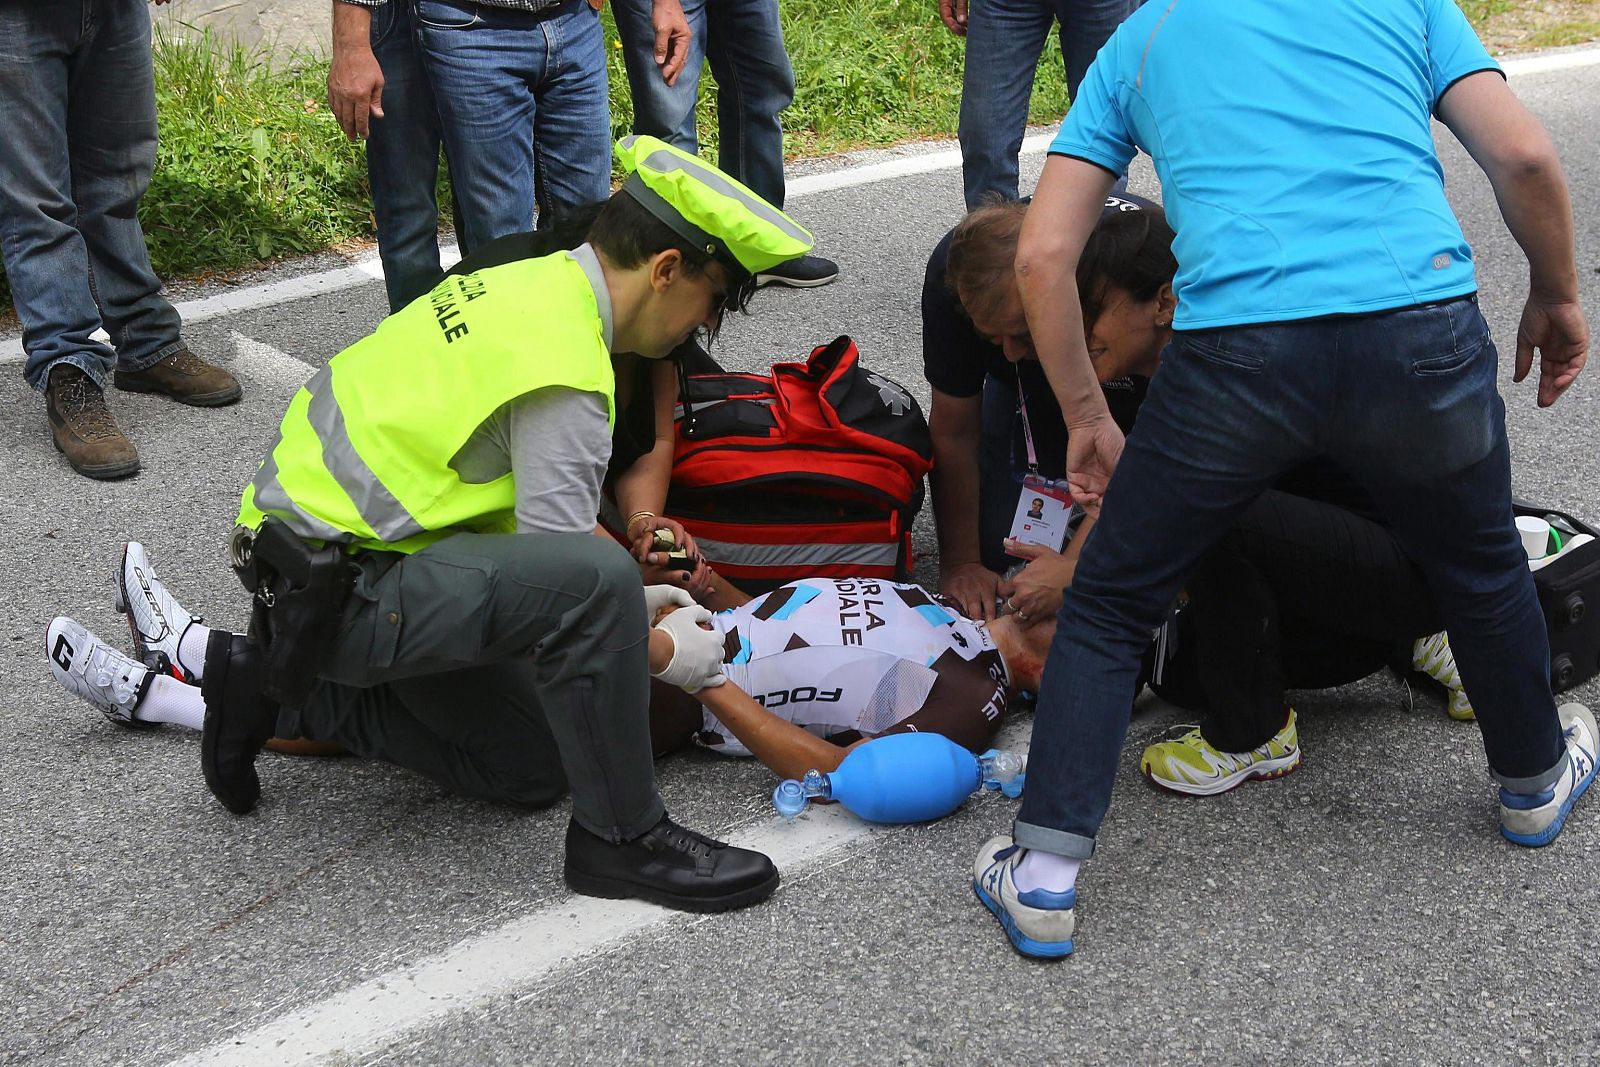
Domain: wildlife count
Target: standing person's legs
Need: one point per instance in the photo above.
(755, 81)
(1424, 428)
(662, 110)
(1004, 40)
(1085, 25)
(1183, 480)
(483, 64)
(46, 259)
(572, 121)
(403, 159)
(111, 132)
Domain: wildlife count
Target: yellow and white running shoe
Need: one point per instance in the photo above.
(1189, 764)
(1432, 656)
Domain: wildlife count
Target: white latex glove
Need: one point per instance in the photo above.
(696, 653)
(657, 597)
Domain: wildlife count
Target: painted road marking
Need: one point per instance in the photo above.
(378, 1012)
(367, 269)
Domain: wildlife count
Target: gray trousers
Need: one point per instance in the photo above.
(502, 666)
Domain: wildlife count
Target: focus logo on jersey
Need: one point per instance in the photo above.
(861, 656)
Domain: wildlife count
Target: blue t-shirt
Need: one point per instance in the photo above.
(1294, 148)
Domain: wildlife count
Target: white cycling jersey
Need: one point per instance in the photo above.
(857, 657)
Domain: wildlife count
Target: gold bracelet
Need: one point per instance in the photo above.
(635, 517)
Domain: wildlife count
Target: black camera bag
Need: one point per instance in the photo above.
(1569, 597)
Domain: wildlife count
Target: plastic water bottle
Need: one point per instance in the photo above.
(904, 778)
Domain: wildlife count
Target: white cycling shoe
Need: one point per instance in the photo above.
(114, 682)
(156, 620)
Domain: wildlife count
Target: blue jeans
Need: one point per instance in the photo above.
(403, 159)
(1004, 41)
(1405, 401)
(744, 42)
(77, 145)
(523, 111)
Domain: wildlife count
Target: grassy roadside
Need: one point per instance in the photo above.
(252, 166)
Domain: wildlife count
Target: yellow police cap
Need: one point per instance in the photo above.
(707, 208)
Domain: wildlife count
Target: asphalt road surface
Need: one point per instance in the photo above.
(1363, 910)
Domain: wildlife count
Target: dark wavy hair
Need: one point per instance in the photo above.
(1131, 250)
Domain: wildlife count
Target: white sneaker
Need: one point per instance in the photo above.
(1432, 656)
(1038, 922)
(88, 667)
(155, 618)
(1534, 819)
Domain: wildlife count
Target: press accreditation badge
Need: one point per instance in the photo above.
(1042, 513)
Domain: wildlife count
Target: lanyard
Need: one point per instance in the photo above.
(1027, 430)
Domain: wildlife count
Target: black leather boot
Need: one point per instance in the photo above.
(239, 720)
(670, 866)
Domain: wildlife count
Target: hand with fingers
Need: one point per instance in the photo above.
(1560, 334)
(972, 586)
(355, 80)
(1033, 594)
(673, 37)
(1093, 449)
(953, 13)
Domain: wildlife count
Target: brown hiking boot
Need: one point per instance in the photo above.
(186, 378)
(82, 426)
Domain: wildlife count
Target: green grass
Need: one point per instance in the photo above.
(252, 166)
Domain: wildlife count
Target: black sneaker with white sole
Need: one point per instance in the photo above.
(806, 272)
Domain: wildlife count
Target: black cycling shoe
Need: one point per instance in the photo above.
(670, 866)
(239, 720)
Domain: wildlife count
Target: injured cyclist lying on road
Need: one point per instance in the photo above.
(828, 663)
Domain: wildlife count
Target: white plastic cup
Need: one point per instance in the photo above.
(1535, 535)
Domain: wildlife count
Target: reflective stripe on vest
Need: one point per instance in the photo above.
(363, 452)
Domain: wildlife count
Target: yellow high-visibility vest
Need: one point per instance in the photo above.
(363, 453)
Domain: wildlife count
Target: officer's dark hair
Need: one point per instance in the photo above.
(629, 235)
(1131, 250)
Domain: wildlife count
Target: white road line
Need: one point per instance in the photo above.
(262, 365)
(904, 166)
(367, 1017)
(368, 269)
(1582, 57)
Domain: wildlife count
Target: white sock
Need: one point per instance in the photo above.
(1045, 870)
(192, 650)
(171, 701)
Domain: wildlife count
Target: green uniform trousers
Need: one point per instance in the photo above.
(502, 666)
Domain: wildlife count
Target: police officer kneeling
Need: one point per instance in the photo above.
(429, 589)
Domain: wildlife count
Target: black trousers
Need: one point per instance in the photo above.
(1300, 594)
